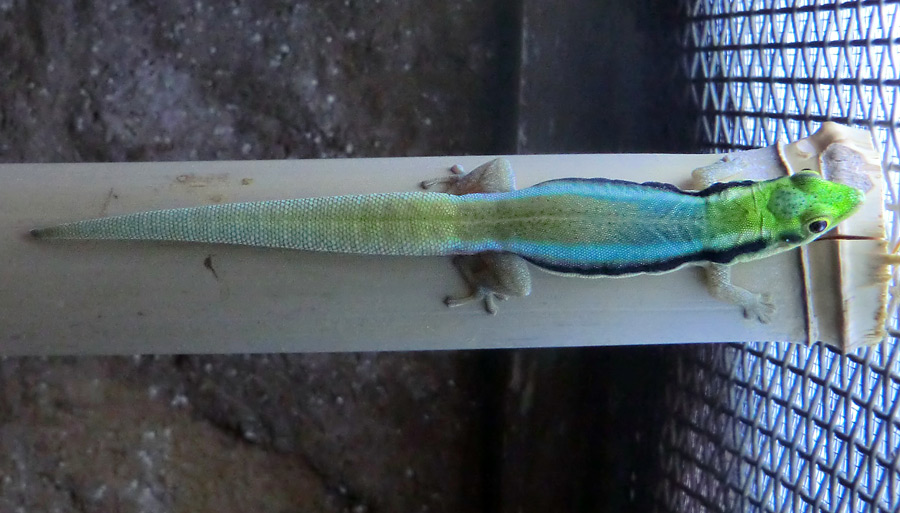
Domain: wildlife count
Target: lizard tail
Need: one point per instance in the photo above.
(410, 223)
(42, 233)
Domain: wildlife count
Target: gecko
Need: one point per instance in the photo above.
(585, 227)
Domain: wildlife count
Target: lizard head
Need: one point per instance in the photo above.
(805, 205)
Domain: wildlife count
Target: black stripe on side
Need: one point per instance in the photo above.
(717, 256)
(712, 189)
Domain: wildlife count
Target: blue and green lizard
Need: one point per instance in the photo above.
(578, 227)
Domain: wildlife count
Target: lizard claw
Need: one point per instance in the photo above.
(490, 305)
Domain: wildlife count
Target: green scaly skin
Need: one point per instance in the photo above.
(783, 211)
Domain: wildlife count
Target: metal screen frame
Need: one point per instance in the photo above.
(773, 427)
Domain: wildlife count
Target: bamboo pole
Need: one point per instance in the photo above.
(69, 297)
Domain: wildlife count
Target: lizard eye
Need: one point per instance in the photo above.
(818, 226)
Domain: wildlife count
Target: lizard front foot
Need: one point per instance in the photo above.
(718, 281)
(761, 307)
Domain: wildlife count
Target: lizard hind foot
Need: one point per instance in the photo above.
(447, 181)
(494, 176)
(490, 299)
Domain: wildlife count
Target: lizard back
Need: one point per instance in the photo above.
(591, 227)
(601, 227)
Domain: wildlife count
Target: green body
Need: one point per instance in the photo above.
(590, 227)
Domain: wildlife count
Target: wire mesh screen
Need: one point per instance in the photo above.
(769, 426)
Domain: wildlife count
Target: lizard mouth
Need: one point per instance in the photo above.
(847, 237)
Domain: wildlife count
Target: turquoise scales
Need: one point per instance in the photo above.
(583, 223)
